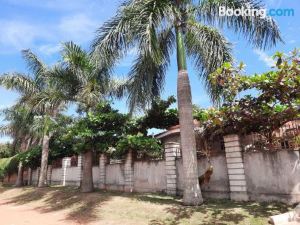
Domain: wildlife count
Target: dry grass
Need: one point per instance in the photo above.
(138, 209)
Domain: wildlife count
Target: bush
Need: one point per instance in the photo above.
(8, 166)
(142, 146)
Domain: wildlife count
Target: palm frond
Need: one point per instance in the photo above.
(6, 130)
(134, 23)
(34, 64)
(19, 82)
(146, 78)
(209, 50)
(261, 32)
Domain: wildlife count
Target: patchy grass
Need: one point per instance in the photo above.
(120, 208)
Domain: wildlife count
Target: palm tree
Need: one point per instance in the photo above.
(91, 84)
(156, 28)
(45, 93)
(19, 118)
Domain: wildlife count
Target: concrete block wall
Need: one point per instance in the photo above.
(171, 150)
(259, 176)
(235, 168)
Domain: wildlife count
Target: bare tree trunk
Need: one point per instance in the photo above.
(44, 162)
(87, 184)
(192, 193)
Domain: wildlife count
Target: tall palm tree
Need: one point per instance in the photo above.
(45, 93)
(156, 28)
(91, 83)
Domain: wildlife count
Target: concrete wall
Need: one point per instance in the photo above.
(115, 177)
(273, 176)
(218, 186)
(268, 176)
(149, 176)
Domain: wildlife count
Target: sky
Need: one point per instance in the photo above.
(43, 25)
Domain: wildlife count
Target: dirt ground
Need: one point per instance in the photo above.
(67, 206)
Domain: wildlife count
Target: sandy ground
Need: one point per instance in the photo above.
(67, 206)
(25, 215)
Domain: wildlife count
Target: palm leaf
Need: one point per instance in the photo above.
(209, 50)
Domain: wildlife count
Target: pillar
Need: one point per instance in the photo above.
(29, 174)
(38, 171)
(172, 150)
(66, 162)
(49, 174)
(235, 167)
(128, 172)
(79, 169)
(102, 167)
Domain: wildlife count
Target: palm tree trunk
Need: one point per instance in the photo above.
(24, 147)
(192, 193)
(87, 184)
(44, 161)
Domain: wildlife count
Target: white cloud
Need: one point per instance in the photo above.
(49, 49)
(79, 28)
(292, 41)
(268, 60)
(20, 34)
(17, 35)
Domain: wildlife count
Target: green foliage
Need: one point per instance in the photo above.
(98, 130)
(141, 145)
(31, 158)
(6, 150)
(276, 103)
(8, 166)
(151, 26)
(160, 115)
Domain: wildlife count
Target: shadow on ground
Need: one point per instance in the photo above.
(82, 207)
(221, 212)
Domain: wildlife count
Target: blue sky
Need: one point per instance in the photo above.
(42, 25)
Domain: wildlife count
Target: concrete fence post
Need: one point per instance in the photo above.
(128, 172)
(38, 175)
(79, 169)
(102, 168)
(29, 174)
(66, 162)
(49, 174)
(172, 150)
(235, 167)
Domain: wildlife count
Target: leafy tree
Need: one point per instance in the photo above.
(156, 28)
(6, 150)
(160, 115)
(19, 118)
(91, 83)
(276, 103)
(141, 146)
(96, 132)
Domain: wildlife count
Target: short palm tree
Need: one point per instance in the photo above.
(157, 27)
(91, 84)
(43, 92)
(19, 119)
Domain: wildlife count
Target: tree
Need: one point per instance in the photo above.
(19, 118)
(45, 92)
(91, 83)
(276, 103)
(155, 28)
(98, 130)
